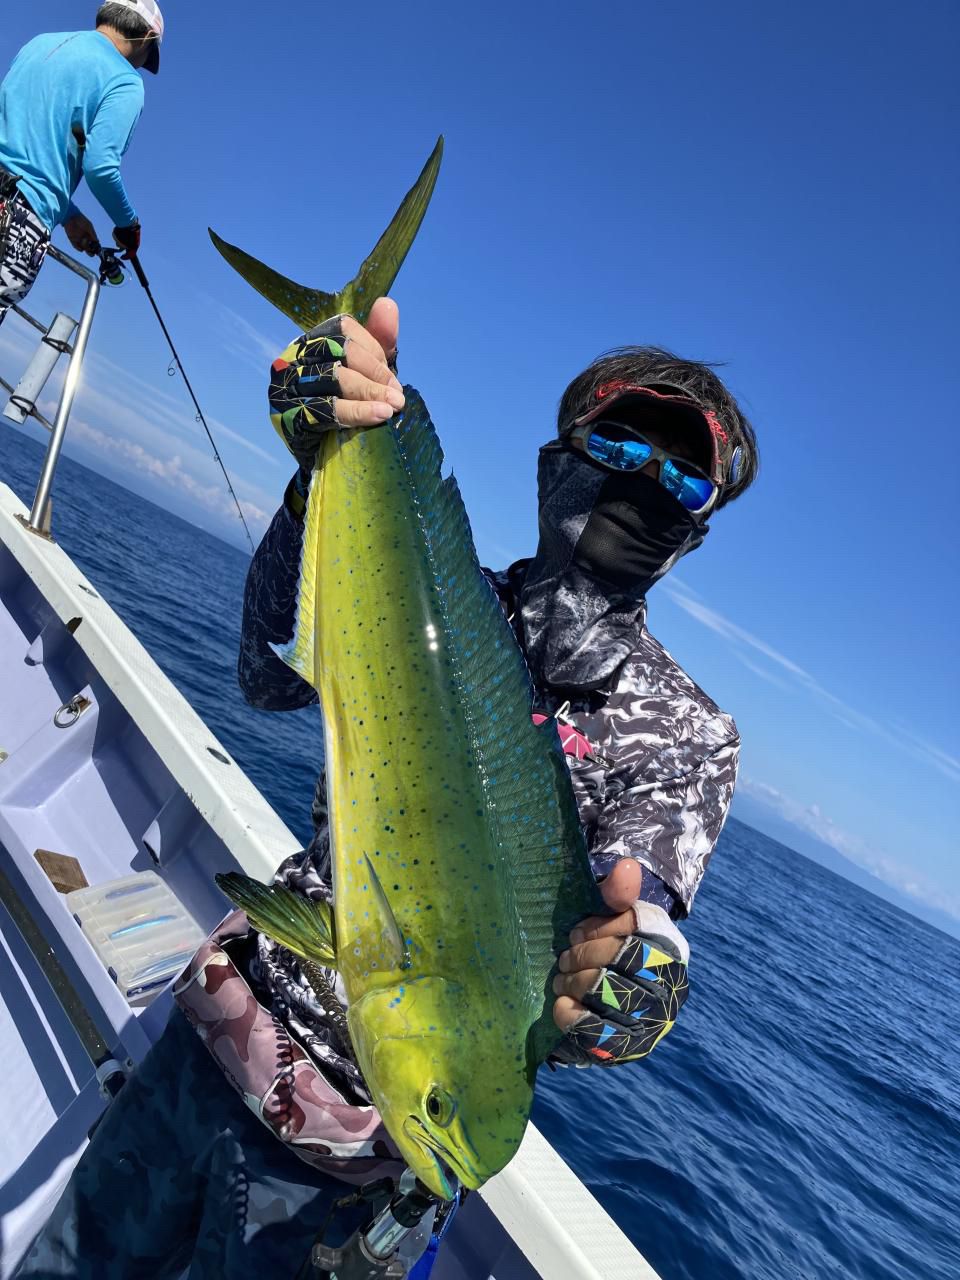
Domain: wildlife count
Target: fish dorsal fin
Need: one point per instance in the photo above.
(528, 796)
(394, 952)
(300, 924)
(308, 307)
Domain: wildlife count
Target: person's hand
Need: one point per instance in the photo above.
(337, 375)
(623, 981)
(82, 234)
(128, 238)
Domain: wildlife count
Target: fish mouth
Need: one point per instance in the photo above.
(449, 1168)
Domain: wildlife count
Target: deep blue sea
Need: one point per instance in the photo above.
(803, 1118)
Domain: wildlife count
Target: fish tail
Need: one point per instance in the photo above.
(308, 307)
(301, 925)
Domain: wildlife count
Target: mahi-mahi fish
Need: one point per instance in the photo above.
(459, 862)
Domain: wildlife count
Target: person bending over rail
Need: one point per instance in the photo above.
(68, 109)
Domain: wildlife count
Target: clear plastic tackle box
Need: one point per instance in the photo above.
(140, 929)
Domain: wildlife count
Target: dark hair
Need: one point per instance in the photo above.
(123, 20)
(653, 364)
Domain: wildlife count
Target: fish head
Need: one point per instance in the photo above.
(454, 1094)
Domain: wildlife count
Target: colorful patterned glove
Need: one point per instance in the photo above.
(303, 387)
(635, 999)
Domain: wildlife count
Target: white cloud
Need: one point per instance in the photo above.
(811, 819)
(743, 643)
(764, 673)
(808, 818)
(111, 393)
(239, 337)
(110, 387)
(212, 497)
(15, 345)
(134, 424)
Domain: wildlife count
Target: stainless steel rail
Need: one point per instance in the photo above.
(70, 383)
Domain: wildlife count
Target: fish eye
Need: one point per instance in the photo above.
(439, 1106)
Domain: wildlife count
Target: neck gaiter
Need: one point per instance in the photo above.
(605, 538)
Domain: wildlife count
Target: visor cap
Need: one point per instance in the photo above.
(636, 399)
(149, 12)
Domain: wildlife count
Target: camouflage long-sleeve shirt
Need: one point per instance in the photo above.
(656, 785)
(664, 764)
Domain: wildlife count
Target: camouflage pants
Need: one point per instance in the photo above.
(180, 1175)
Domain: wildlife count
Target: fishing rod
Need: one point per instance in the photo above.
(112, 273)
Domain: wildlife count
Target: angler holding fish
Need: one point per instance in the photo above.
(496, 745)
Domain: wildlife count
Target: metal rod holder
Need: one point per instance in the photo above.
(70, 384)
(54, 343)
(34, 412)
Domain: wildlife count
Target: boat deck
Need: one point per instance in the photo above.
(103, 760)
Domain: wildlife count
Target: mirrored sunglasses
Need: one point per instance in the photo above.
(621, 448)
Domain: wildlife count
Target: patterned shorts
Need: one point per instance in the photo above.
(24, 241)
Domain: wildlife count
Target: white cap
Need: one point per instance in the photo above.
(149, 11)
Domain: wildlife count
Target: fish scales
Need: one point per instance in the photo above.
(404, 788)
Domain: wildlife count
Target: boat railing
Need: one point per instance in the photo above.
(58, 339)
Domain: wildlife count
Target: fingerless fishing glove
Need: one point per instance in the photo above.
(635, 1000)
(303, 387)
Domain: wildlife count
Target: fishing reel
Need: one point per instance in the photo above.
(391, 1245)
(111, 268)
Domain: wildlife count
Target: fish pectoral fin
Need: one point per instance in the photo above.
(394, 948)
(301, 925)
(309, 307)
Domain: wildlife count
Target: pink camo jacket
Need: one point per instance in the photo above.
(273, 1074)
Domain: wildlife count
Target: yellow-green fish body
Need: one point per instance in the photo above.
(459, 863)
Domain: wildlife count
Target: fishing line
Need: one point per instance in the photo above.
(141, 276)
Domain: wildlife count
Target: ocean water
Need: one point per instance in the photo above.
(801, 1121)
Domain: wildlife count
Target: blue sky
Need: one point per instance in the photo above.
(770, 186)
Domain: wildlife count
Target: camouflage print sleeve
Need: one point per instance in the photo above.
(669, 822)
(269, 604)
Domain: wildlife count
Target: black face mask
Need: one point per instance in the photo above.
(605, 539)
(635, 533)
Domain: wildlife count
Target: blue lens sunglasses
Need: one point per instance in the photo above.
(603, 441)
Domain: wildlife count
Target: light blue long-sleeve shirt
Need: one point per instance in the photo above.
(56, 83)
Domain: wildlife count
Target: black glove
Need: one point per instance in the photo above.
(128, 238)
(635, 1000)
(303, 387)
